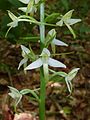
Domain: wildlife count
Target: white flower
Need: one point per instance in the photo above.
(51, 38)
(56, 41)
(30, 6)
(44, 61)
(14, 22)
(14, 19)
(67, 20)
(69, 77)
(15, 94)
(25, 52)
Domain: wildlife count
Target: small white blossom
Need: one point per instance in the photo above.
(30, 8)
(45, 59)
(14, 19)
(68, 21)
(56, 41)
(14, 22)
(25, 52)
(15, 94)
(69, 77)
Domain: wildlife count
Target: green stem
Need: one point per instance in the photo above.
(42, 79)
(32, 20)
(62, 53)
(42, 95)
(42, 26)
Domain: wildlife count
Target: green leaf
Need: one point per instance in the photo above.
(28, 39)
(52, 18)
(56, 78)
(27, 91)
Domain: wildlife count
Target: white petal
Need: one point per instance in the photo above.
(45, 51)
(73, 21)
(10, 24)
(55, 63)
(35, 64)
(24, 9)
(13, 24)
(24, 49)
(12, 16)
(58, 42)
(22, 62)
(24, 1)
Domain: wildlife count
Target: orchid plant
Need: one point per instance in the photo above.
(44, 60)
